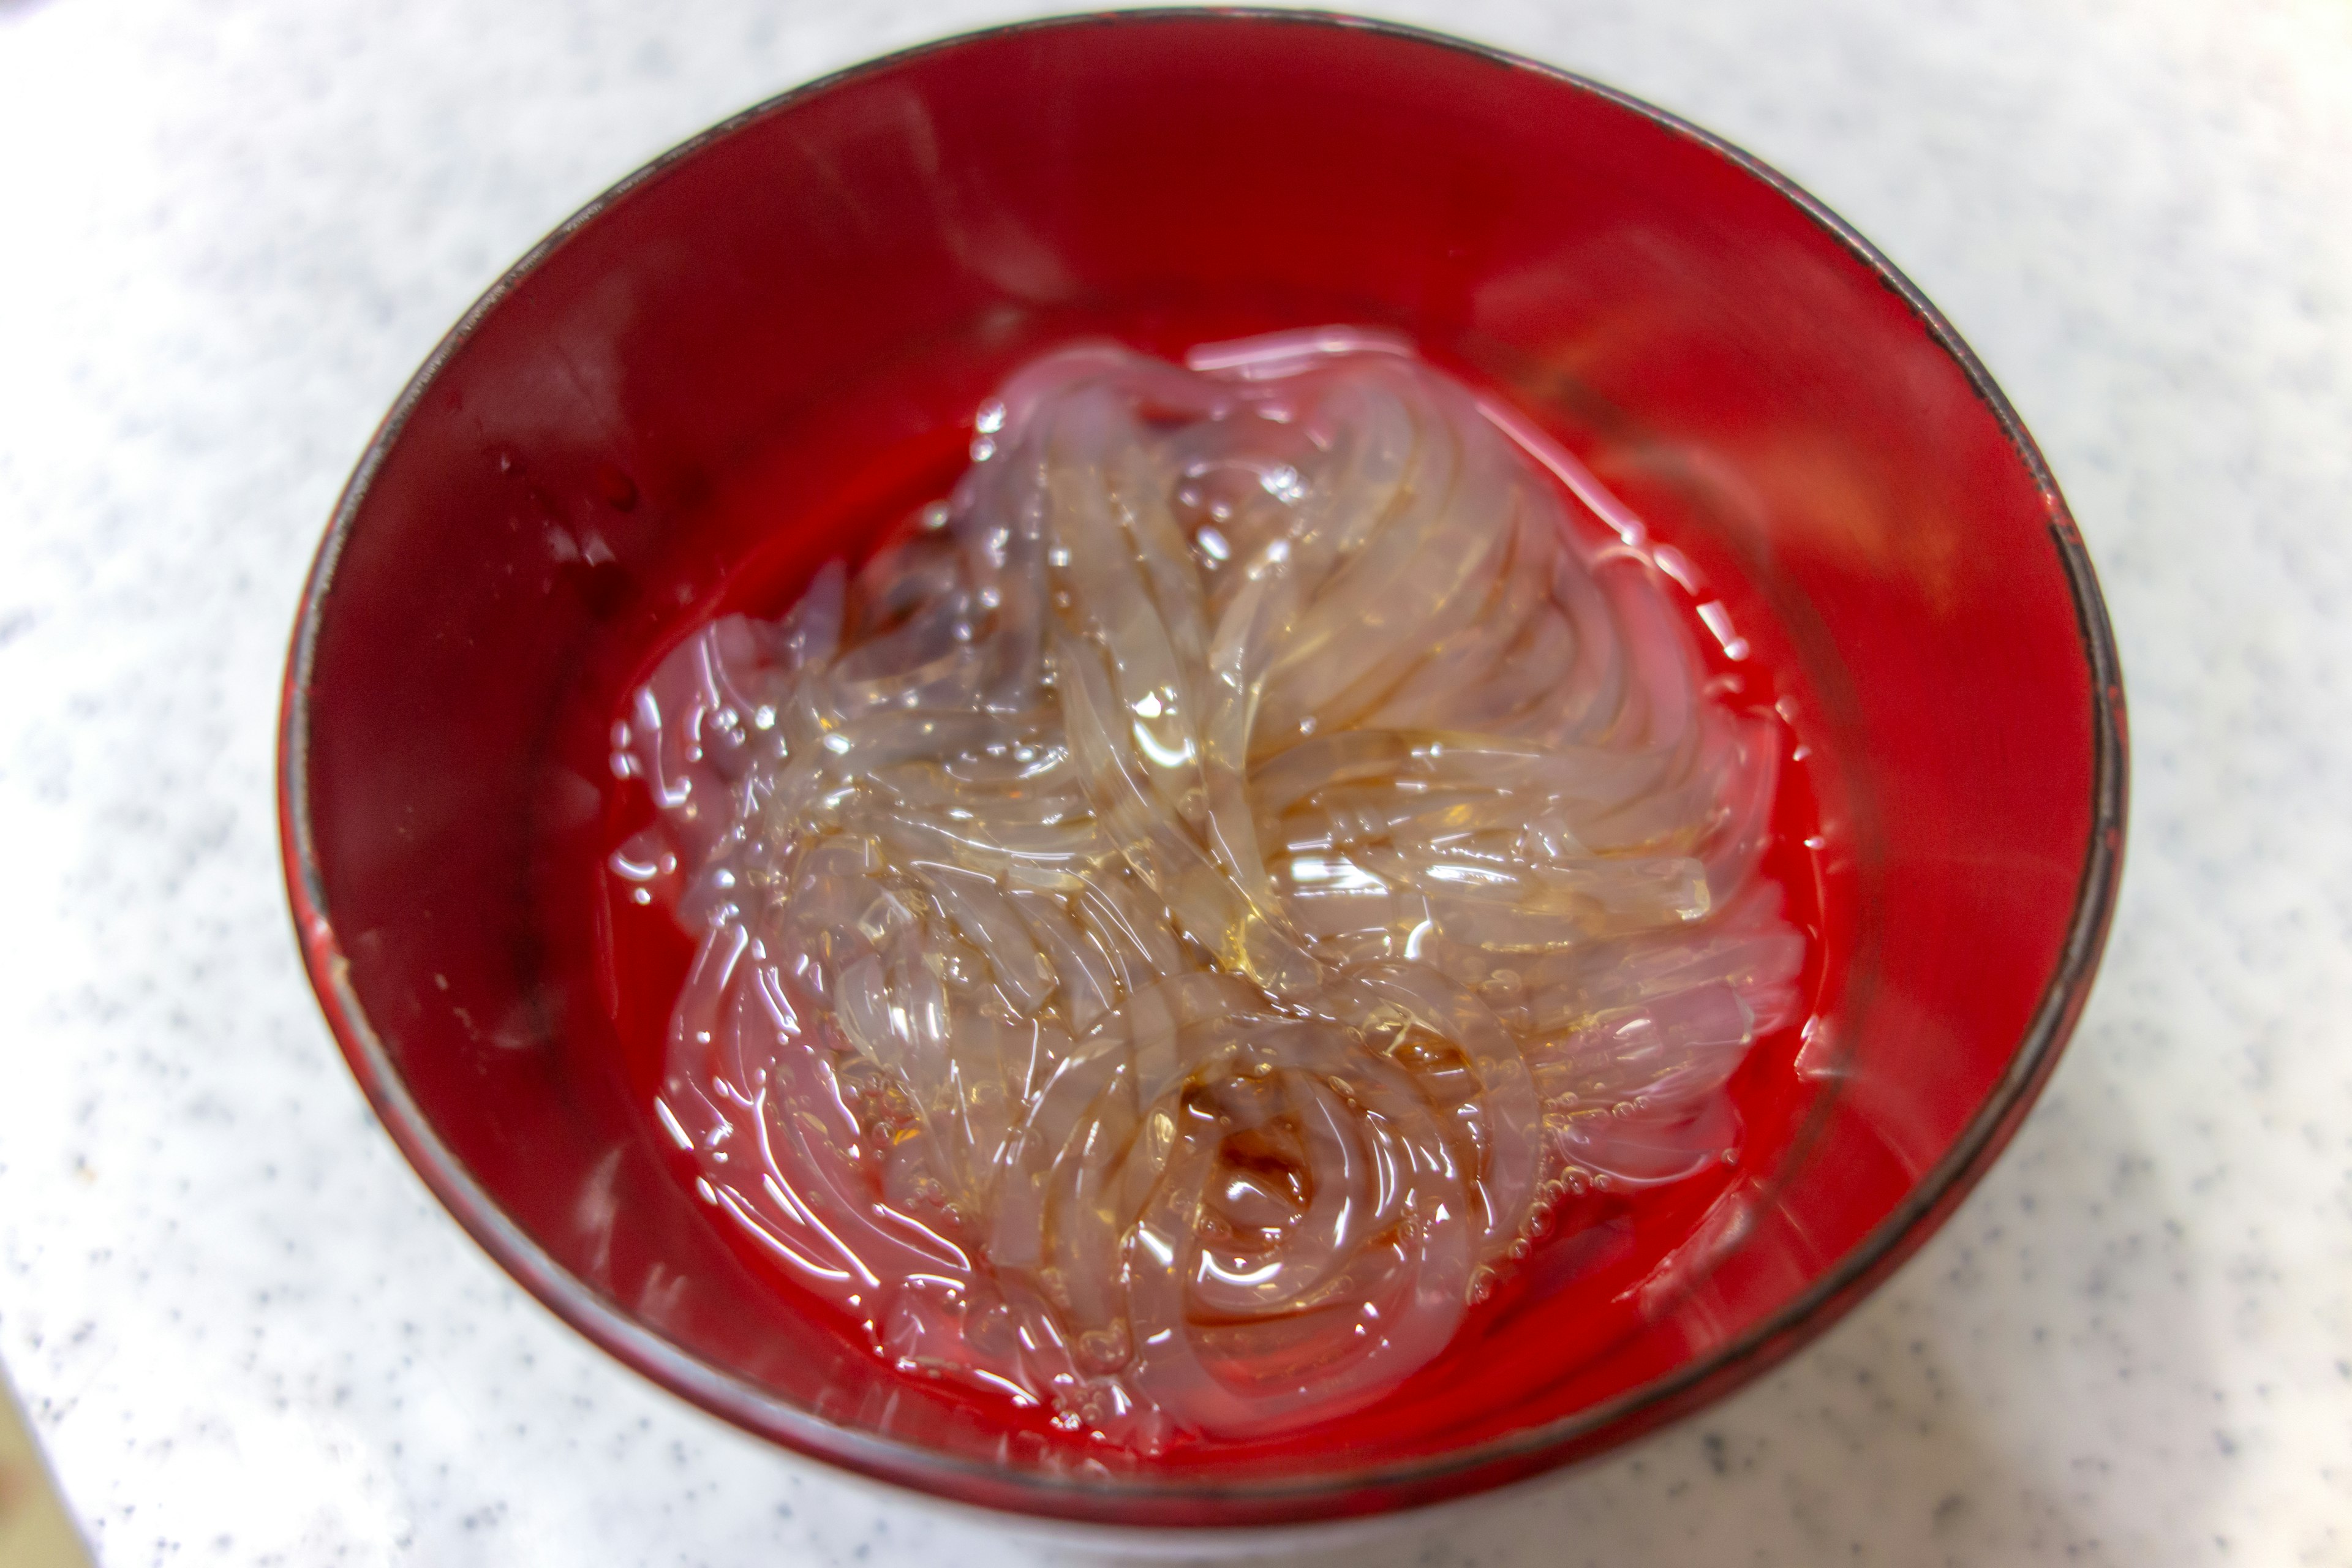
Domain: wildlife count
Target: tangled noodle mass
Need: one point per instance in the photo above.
(1172, 923)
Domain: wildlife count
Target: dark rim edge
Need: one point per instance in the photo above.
(1799, 1322)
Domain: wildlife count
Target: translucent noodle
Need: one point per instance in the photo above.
(1174, 922)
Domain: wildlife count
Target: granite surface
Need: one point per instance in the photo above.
(244, 1332)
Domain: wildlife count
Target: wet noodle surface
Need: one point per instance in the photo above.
(1183, 919)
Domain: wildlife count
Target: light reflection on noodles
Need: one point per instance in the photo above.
(1175, 922)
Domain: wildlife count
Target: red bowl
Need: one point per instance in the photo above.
(791, 318)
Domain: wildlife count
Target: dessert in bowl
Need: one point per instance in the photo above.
(1202, 769)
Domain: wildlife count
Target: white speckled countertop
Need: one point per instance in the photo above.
(246, 1335)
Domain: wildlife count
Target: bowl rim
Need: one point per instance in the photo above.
(1340, 1492)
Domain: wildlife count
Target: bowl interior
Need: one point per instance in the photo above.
(743, 359)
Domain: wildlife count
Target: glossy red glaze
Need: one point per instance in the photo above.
(746, 358)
